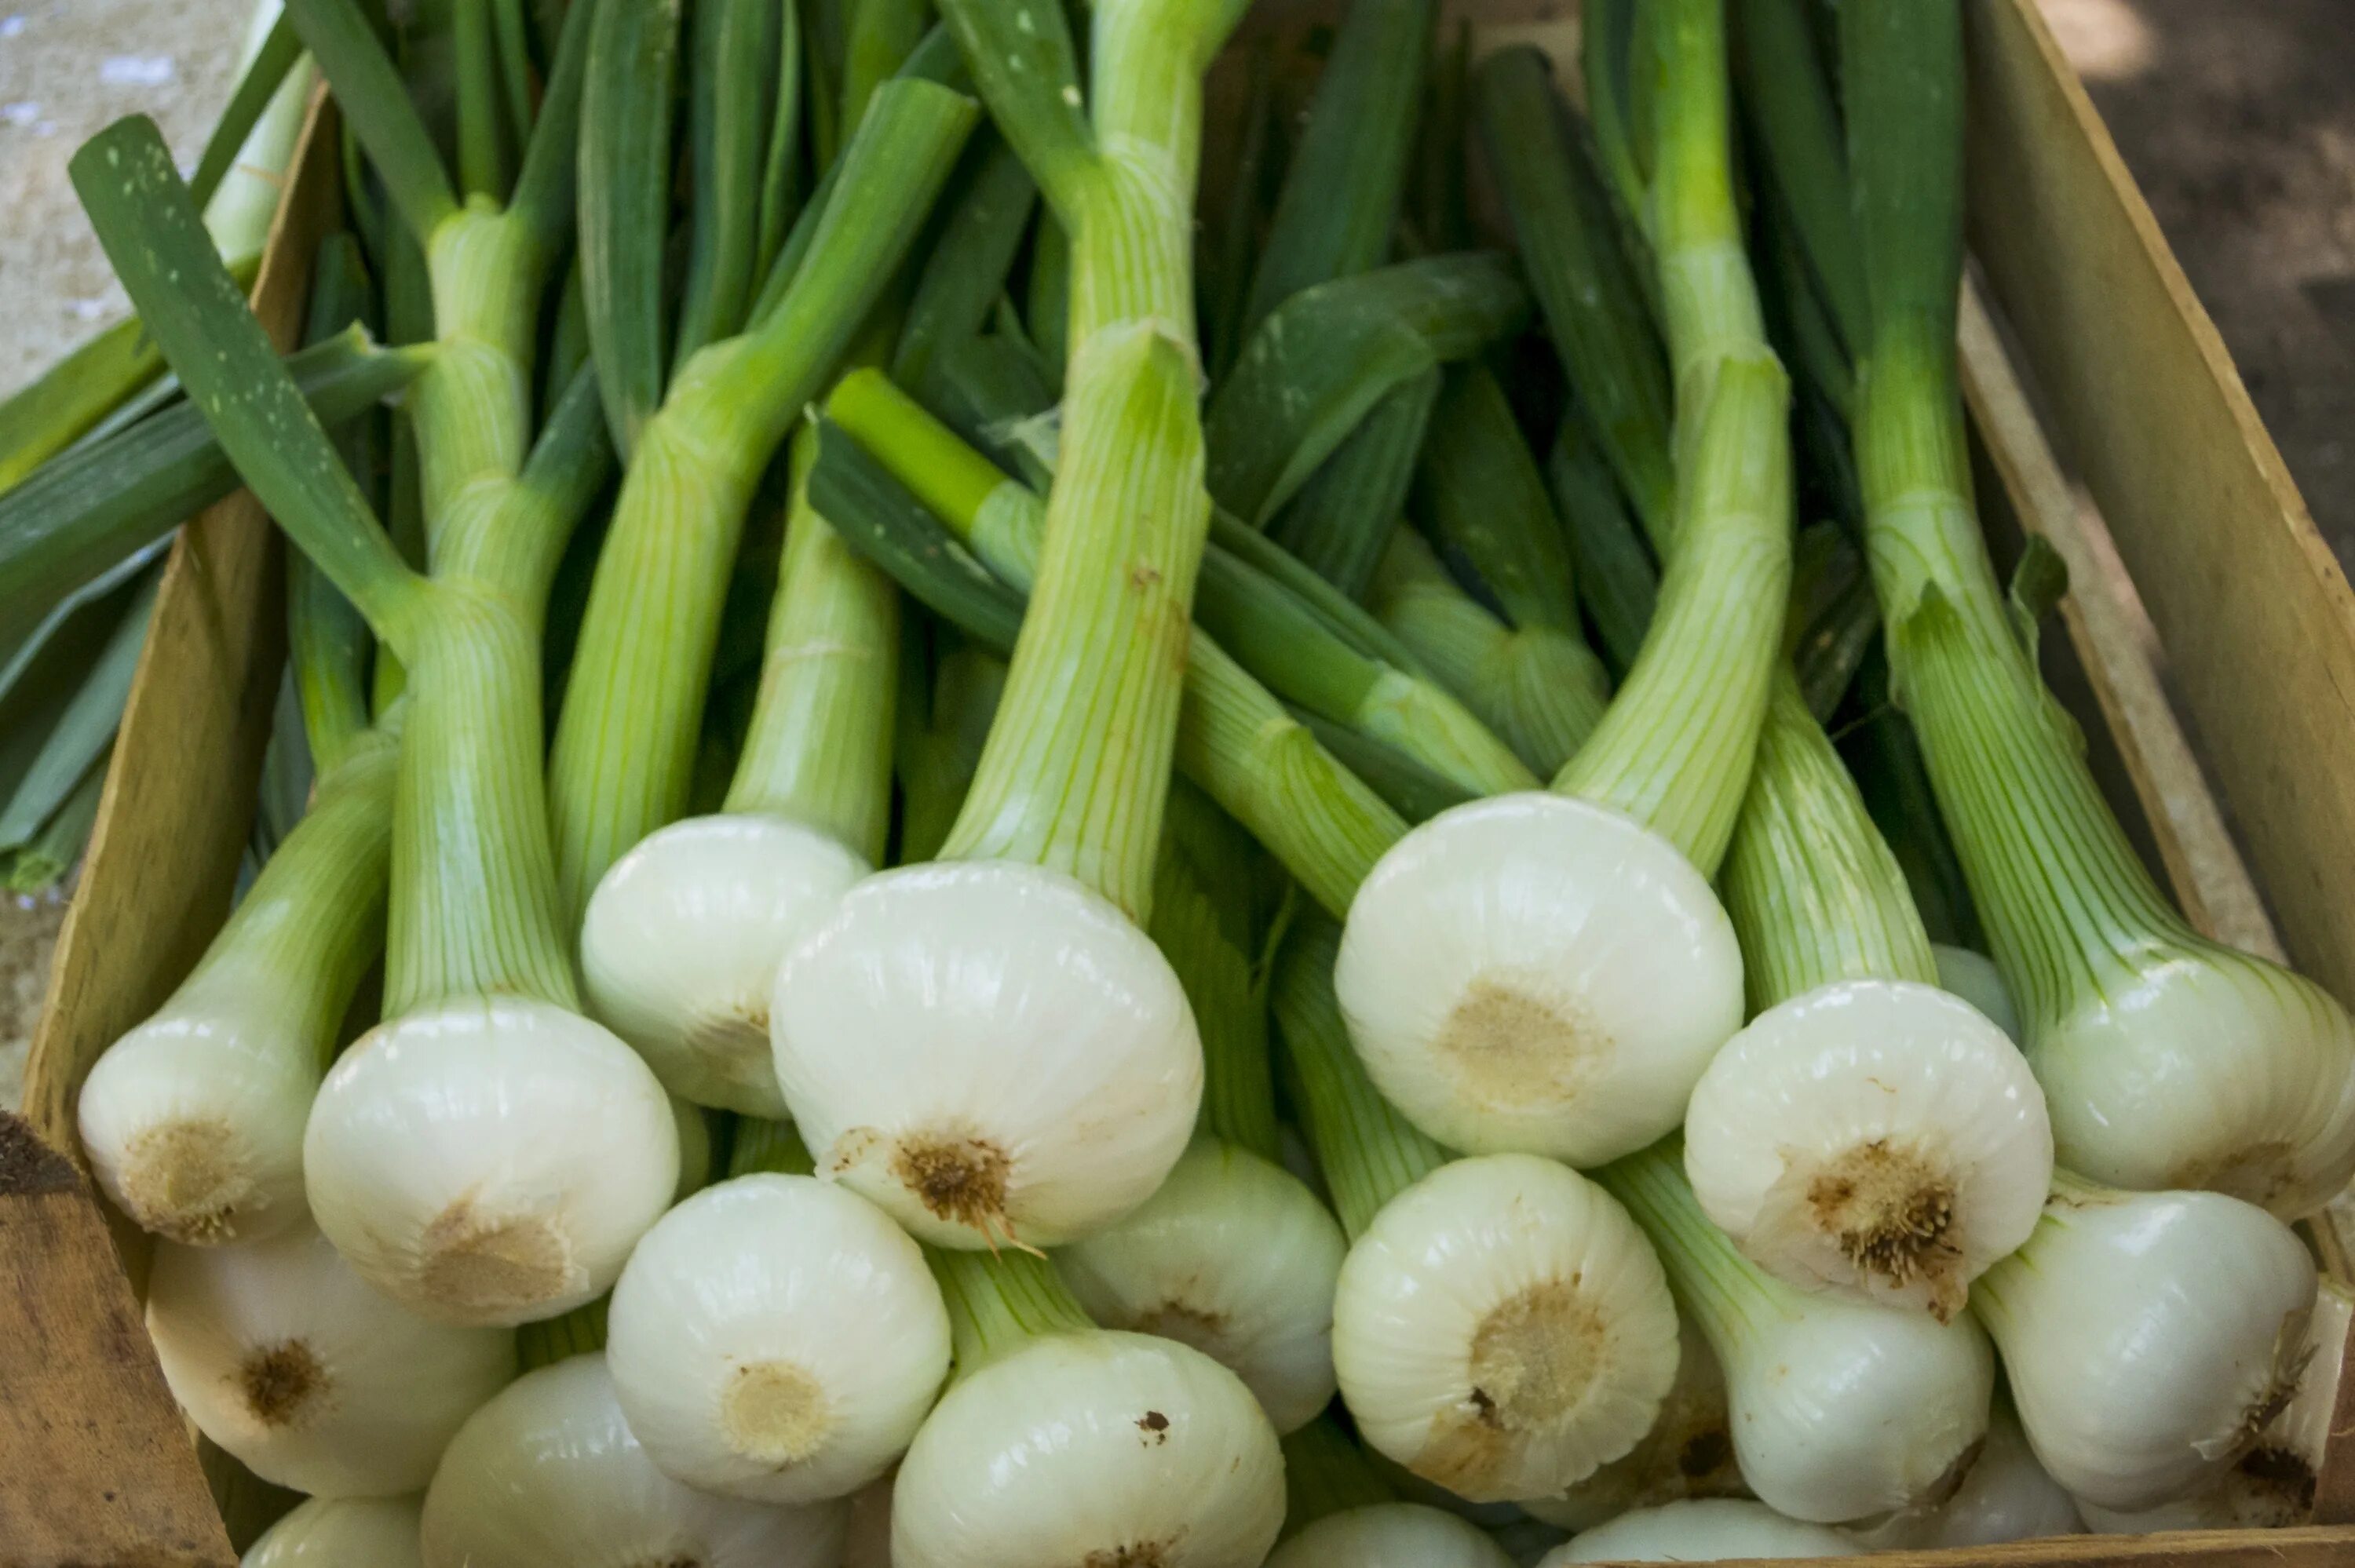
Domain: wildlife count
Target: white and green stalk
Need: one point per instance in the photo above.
(284, 1356)
(1500, 1326)
(988, 1046)
(1701, 1531)
(2149, 1338)
(624, 748)
(193, 1121)
(2169, 1060)
(351, 1532)
(1868, 1132)
(486, 1155)
(774, 1338)
(1841, 1409)
(1060, 1441)
(1550, 973)
(681, 940)
(2007, 1495)
(1233, 1255)
(548, 1475)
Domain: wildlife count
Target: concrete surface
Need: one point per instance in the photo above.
(2239, 121)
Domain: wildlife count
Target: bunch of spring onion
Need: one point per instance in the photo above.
(1104, 1048)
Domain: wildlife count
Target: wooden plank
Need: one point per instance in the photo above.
(2117, 647)
(2257, 621)
(2306, 1547)
(96, 1465)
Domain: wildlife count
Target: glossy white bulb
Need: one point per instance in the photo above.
(1974, 978)
(1092, 1447)
(1233, 1256)
(991, 1052)
(1877, 1138)
(282, 1356)
(1503, 1328)
(1688, 1453)
(2204, 1068)
(193, 1123)
(1701, 1531)
(2006, 1495)
(777, 1339)
(681, 940)
(549, 1476)
(2149, 1337)
(1391, 1535)
(342, 1533)
(490, 1162)
(1540, 974)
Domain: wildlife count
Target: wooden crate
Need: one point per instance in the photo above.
(2210, 655)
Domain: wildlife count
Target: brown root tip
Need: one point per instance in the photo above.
(484, 1266)
(1506, 1043)
(1890, 1212)
(279, 1381)
(1130, 1554)
(958, 1177)
(184, 1181)
(776, 1413)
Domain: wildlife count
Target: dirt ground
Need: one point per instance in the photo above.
(2239, 120)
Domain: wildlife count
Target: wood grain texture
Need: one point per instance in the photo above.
(96, 1463)
(2257, 621)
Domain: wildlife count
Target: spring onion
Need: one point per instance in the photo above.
(2006, 1496)
(1841, 1409)
(1550, 973)
(352, 1532)
(548, 1475)
(1500, 1326)
(1391, 1535)
(2195, 1348)
(2169, 1060)
(1703, 1531)
(777, 1339)
(486, 1155)
(1688, 1453)
(1058, 1442)
(284, 1356)
(988, 1046)
(1867, 1130)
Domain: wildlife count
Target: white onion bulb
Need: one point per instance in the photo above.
(1234, 1257)
(490, 1162)
(1878, 1137)
(991, 1052)
(777, 1339)
(1540, 974)
(2149, 1337)
(280, 1354)
(548, 1475)
(1391, 1535)
(2006, 1495)
(1092, 1447)
(681, 940)
(1503, 1328)
(1701, 1531)
(341, 1532)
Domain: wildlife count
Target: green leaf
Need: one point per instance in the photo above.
(625, 204)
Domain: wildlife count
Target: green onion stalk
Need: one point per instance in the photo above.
(1234, 1255)
(486, 1155)
(1530, 674)
(1465, 1278)
(939, 1045)
(1550, 973)
(2168, 1060)
(625, 741)
(683, 935)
